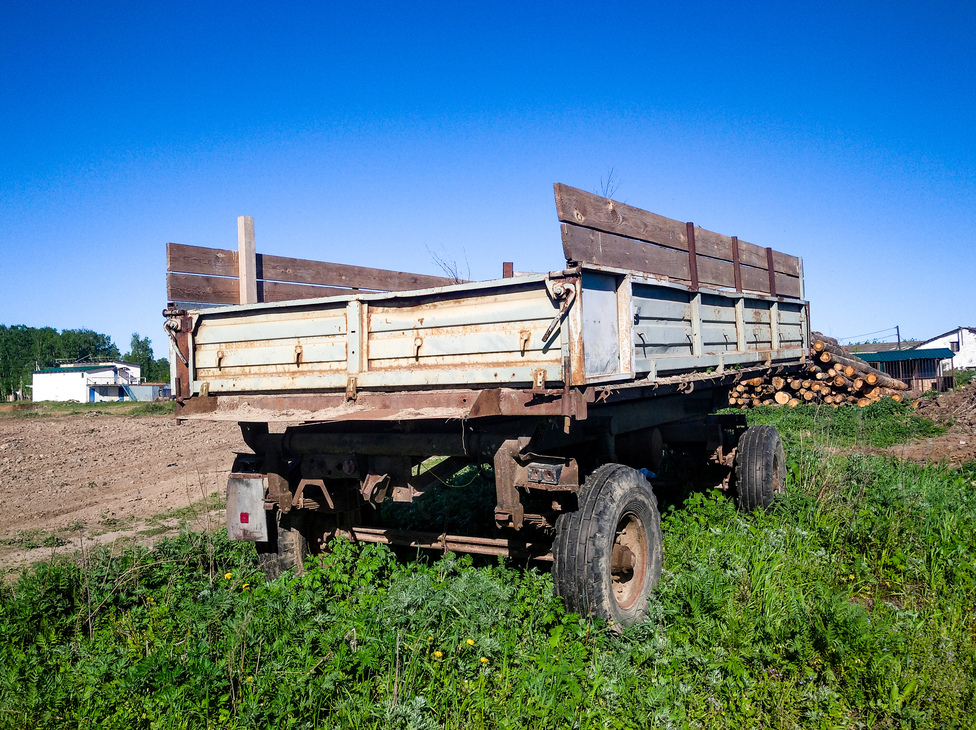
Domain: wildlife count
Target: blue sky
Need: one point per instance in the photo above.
(372, 134)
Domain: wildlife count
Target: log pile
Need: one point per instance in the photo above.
(834, 378)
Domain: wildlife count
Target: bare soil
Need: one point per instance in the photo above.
(955, 410)
(68, 482)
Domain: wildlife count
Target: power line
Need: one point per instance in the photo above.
(854, 337)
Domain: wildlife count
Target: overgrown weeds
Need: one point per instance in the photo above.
(850, 604)
(881, 424)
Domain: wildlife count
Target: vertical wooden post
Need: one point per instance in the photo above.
(772, 272)
(736, 267)
(692, 256)
(247, 260)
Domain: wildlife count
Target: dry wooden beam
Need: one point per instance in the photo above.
(247, 260)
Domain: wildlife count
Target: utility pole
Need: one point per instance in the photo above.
(898, 335)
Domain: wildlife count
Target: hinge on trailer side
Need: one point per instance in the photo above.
(562, 292)
(351, 388)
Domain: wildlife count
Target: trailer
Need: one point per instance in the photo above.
(588, 389)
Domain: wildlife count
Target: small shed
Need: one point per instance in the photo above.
(921, 369)
(150, 391)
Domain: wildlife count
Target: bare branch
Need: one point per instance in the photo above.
(608, 187)
(452, 270)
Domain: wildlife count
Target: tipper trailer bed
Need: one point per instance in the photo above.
(573, 384)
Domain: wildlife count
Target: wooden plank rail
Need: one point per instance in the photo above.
(201, 275)
(606, 232)
(595, 230)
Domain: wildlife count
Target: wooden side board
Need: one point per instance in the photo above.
(606, 232)
(595, 230)
(210, 276)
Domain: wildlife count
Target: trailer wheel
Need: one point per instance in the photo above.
(608, 553)
(760, 468)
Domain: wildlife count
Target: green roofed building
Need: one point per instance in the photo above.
(920, 369)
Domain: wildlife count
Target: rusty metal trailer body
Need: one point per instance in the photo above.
(580, 327)
(567, 382)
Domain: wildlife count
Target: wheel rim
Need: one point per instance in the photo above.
(628, 564)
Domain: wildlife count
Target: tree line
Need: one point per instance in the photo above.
(26, 349)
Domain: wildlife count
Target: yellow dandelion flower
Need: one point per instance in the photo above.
(438, 654)
(470, 642)
(249, 679)
(484, 660)
(246, 587)
(227, 576)
(430, 638)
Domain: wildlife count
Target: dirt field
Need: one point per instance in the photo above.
(957, 410)
(68, 481)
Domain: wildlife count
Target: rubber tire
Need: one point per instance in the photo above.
(760, 468)
(268, 560)
(292, 543)
(583, 548)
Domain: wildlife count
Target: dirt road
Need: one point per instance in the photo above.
(65, 479)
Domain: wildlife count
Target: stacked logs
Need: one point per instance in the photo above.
(834, 378)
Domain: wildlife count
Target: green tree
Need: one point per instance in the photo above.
(160, 371)
(85, 344)
(140, 353)
(25, 349)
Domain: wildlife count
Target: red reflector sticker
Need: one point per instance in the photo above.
(245, 518)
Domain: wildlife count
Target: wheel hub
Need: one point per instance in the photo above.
(628, 562)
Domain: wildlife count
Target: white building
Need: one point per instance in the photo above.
(962, 341)
(90, 383)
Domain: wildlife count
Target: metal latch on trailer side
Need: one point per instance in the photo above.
(563, 292)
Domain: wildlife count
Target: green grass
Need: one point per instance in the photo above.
(33, 538)
(879, 425)
(115, 408)
(850, 604)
